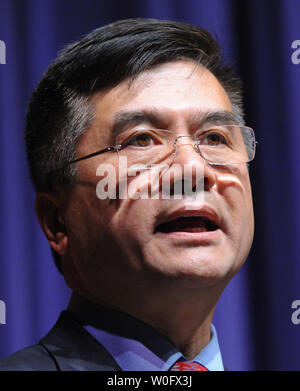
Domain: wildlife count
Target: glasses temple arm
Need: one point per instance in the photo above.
(93, 154)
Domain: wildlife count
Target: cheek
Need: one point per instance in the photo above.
(133, 210)
(94, 239)
(134, 218)
(236, 182)
(82, 218)
(235, 189)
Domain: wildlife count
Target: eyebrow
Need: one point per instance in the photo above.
(157, 119)
(125, 119)
(216, 117)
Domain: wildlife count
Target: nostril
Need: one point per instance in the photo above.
(178, 187)
(184, 187)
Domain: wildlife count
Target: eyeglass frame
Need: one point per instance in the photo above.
(118, 147)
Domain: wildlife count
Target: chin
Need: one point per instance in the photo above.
(195, 271)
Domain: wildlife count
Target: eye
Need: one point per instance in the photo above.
(141, 140)
(213, 139)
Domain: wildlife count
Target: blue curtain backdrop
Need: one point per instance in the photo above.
(253, 317)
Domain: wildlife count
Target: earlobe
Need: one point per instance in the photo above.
(52, 222)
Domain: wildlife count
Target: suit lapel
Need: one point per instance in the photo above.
(73, 349)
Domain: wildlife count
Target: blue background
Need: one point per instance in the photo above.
(253, 317)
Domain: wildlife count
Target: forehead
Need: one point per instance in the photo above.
(175, 91)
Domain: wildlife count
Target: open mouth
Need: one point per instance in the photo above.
(193, 224)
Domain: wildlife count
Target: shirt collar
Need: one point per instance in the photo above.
(133, 344)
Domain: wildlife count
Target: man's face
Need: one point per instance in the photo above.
(119, 246)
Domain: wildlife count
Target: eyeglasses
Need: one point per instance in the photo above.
(218, 145)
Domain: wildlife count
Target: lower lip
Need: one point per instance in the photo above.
(206, 236)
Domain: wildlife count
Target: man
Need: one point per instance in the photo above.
(147, 259)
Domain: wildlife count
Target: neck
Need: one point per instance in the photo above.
(187, 326)
(185, 319)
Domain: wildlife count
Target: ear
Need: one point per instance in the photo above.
(52, 222)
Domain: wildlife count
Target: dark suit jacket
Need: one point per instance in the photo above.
(67, 347)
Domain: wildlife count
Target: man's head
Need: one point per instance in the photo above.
(156, 74)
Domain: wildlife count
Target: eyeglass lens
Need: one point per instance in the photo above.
(226, 144)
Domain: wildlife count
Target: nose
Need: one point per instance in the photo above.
(188, 165)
